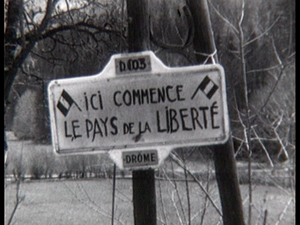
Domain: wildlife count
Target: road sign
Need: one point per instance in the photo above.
(137, 103)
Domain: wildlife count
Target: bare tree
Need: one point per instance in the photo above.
(260, 61)
(56, 31)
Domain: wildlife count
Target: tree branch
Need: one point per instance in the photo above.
(262, 34)
(224, 19)
(263, 147)
(179, 163)
(62, 28)
(19, 199)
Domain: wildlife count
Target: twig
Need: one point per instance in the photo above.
(206, 199)
(208, 56)
(175, 206)
(265, 217)
(18, 184)
(224, 19)
(265, 209)
(263, 147)
(283, 148)
(247, 131)
(276, 54)
(178, 162)
(113, 196)
(162, 203)
(196, 214)
(18, 201)
(264, 69)
(187, 193)
(284, 211)
(262, 34)
(274, 182)
(96, 209)
(87, 196)
(171, 197)
(273, 88)
(178, 196)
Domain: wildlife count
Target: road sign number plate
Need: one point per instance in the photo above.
(139, 158)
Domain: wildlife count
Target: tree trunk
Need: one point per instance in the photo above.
(204, 46)
(225, 167)
(12, 26)
(10, 41)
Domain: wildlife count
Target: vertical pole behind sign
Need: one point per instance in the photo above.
(225, 167)
(143, 181)
(113, 197)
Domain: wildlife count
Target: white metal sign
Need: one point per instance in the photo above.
(137, 103)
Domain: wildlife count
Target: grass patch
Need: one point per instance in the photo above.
(88, 200)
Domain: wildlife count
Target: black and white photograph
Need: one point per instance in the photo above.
(149, 112)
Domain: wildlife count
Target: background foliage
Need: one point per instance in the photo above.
(80, 36)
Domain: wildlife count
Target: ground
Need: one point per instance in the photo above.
(89, 201)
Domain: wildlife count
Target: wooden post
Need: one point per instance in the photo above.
(143, 181)
(138, 25)
(227, 179)
(144, 199)
(113, 197)
(225, 167)
(204, 44)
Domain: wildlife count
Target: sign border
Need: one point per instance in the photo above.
(157, 67)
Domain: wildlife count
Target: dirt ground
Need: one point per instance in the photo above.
(90, 202)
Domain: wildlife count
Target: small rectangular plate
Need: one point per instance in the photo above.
(139, 158)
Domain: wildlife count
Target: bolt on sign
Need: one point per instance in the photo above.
(138, 110)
